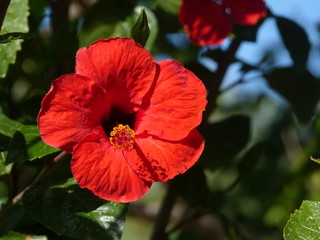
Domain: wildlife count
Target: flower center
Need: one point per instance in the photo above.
(121, 137)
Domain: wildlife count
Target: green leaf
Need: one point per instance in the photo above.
(304, 223)
(16, 20)
(12, 219)
(8, 127)
(19, 236)
(4, 168)
(246, 32)
(169, 6)
(93, 30)
(140, 30)
(74, 212)
(295, 39)
(215, 54)
(101, 20)
(21, 142)
(3, 195)
(297, 86)
(317, 160)
(250, 159)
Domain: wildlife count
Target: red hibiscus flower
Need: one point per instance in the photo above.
(127, 120)
(210, 21)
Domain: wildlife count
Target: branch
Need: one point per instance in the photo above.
(190, 216)
(164, 213)
(4, 4)
(43, 173)
(214, 88)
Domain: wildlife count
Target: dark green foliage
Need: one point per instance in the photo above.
(22, 141)
(121, 24)
(250, 159)
(298, 87)
(11, 220)
(235, 131)
(74, 212)
(187, 185)
(255, 169)
(246, 33)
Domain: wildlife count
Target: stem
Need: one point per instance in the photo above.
(43, 173)
(59, 14)
(60, 28)
(186, 219)
(197, 214)
(214, 88)
(162, 219)
(4, 4)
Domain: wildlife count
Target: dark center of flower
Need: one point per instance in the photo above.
(122, 137)
(116, 116)
(119, 127)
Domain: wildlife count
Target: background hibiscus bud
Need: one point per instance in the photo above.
(141, 31)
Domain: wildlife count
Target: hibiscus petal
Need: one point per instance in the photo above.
(121, 66)
(104, 170)
(246, 12)
(205, 21)
(162, 160)
(176, 104)
(69, 111)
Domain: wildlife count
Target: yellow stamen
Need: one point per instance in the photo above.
(121, 137)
